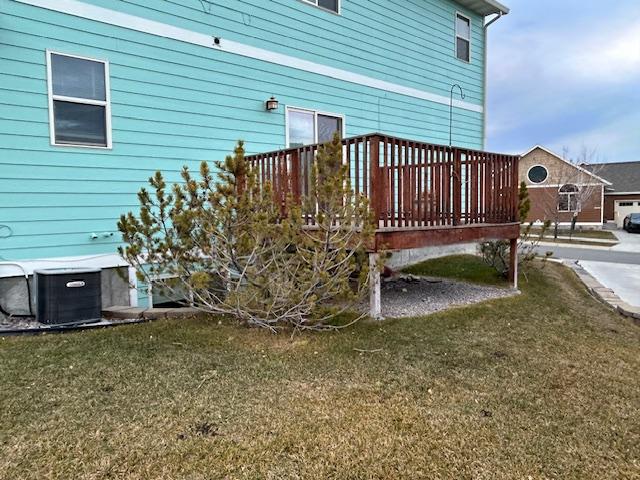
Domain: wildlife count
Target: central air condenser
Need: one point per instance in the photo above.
(68, 296)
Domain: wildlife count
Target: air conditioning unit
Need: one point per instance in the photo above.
(68, 296)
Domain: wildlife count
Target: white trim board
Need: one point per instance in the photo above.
(132, 22)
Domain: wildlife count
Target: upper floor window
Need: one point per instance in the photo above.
(79, 101)
(331, 5)
(463, 37)
(537, 174)
(568, 198)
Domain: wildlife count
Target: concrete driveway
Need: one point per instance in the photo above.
(617, 268)
(629, 242)
(624, 280)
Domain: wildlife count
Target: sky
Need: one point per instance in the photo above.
(565, 74)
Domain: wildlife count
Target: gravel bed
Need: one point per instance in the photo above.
(413, 296)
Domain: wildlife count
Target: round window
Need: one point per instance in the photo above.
(538, 174)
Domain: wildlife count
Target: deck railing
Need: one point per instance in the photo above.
(408, 183)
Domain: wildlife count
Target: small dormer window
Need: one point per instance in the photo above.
(331, 5)
(463, 37)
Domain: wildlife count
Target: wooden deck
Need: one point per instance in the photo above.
(421, 194)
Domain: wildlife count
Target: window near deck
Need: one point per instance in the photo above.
(568, 198)
(463, 37)
(331, 5)
(306, 127)
(79, 103)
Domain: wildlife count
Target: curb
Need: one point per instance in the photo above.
(613, 243)
(571, 245)
(604, 294)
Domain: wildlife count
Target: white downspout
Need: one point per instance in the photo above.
(486, 68)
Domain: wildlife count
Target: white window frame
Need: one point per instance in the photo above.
(315, 122)
(457, 35)
(315, 4)
(569, 195)
(84, 101)
(537, 183)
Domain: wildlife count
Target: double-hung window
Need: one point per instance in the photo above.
(331, 5)
(463, 37)
(79, 101)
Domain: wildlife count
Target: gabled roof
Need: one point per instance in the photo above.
(577, 167)
(624, 176)
(484, 7)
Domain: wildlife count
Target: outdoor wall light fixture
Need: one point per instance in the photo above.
(272, 104)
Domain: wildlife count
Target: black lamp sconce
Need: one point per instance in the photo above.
(272, 104)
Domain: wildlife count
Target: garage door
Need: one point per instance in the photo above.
(624, 208)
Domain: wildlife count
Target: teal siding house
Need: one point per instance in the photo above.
(96, 95)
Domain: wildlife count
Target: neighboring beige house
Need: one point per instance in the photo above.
(560, 190)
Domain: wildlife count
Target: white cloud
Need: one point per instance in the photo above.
(612, 142)
(612, 55)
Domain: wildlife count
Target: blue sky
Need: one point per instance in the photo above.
(566, 74)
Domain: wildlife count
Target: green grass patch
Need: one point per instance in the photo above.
(469, 268)
(542, 385)
(595, 234)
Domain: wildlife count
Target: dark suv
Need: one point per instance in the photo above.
(632, 223)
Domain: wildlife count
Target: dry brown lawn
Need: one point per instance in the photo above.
(541, 386)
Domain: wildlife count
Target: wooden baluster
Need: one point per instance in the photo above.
(420, 195)
(356, 145)
(392, 184)
(365, 159)
(516, 188)
(474, 187)
(457, 187)
(437, 151)
(375, 188)
(295, 176)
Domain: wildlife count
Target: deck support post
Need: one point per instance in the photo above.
(375, 304)
(513, 263)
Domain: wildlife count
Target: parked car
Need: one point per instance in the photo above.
(632, 223)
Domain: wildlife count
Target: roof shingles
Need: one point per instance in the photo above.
(625, 177)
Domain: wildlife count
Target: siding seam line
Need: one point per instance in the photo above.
(124, 20)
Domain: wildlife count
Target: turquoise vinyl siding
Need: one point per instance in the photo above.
(175, 103)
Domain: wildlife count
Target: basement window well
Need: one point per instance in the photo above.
(79, 101)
